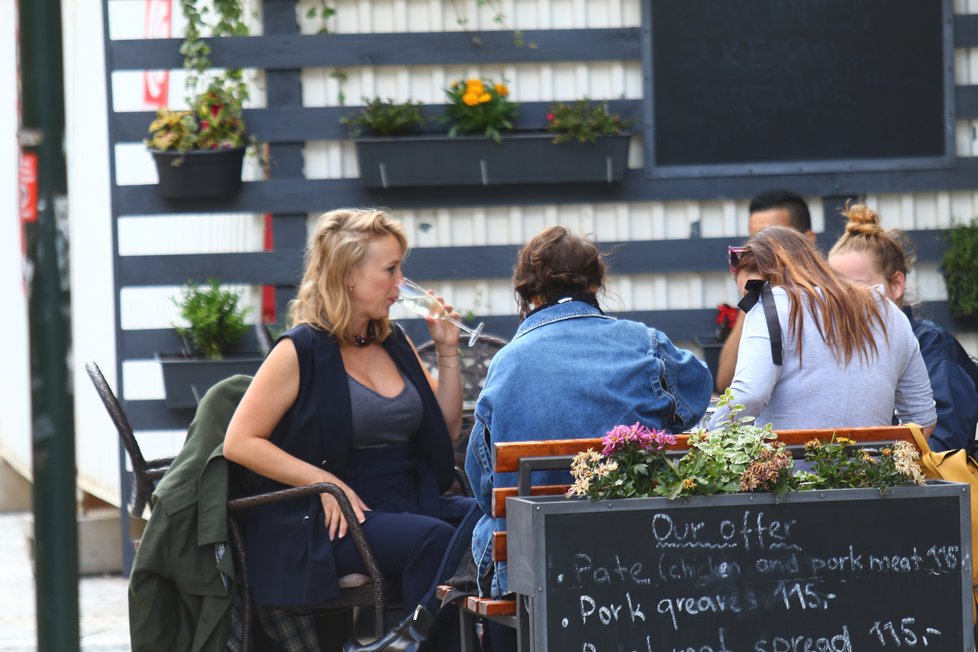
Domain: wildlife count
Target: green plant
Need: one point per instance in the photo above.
(215, 121)
(215, 118)
(738, 457)
(477, 106)
(215, 319)
(497, 17)
(960, 268)
(717, 460)
(841, 464)
(323, 12)
(583, 121)
(385, 117)
(630, 463)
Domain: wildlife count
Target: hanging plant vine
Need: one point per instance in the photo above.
(497, 17)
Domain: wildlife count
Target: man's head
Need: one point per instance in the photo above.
(780, 208)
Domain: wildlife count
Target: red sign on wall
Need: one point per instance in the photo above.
(27, 180)
(156, 24)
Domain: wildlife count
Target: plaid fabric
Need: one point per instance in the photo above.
(294, 632)
(219, 550)
(235, 641)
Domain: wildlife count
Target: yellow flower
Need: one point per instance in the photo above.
(470, 99)
(502, 90)
(485, 97)
(688, 483)
(475, 87)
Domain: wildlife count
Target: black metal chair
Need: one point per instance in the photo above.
(145, 473)
(475, 363)
(264, 339)
(371, 590)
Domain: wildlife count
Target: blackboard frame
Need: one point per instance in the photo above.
(527, 548)
(655, 170)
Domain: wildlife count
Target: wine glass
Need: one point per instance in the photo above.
(415, 298)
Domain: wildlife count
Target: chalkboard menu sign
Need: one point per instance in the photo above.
(834, 571)
(788, 86)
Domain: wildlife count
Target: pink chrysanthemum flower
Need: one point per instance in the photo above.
(619, 437)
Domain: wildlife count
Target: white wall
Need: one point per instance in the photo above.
(15, 423)
(92, 310)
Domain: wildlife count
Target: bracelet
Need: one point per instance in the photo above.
(457, 357)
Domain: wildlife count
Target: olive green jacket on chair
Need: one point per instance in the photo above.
(177, 595)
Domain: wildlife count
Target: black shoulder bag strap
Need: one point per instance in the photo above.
(758, 289)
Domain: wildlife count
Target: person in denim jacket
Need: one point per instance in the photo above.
(571, 371)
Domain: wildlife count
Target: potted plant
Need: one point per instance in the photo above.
(380, 117)
(481, 146)
(199, 152)
(213, 322)
(960, 268)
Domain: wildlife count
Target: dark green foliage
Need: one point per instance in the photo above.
(385, 117)
(216, 321)
(583, 121)
(960, 267)
(323, 12)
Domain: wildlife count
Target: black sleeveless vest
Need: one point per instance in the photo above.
(290, 560)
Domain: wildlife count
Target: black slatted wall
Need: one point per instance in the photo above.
(282, 52)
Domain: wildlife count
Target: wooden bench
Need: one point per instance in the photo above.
(527, 456)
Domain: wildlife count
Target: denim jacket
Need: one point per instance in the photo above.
(571, 372)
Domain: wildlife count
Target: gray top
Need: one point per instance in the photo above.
(823, 392)
(380, 420)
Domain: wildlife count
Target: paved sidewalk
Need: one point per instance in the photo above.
(102, 601)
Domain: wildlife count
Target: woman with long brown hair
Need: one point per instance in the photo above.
(871, 255)
(819, 351)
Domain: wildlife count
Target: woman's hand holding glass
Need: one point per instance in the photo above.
(436, 312)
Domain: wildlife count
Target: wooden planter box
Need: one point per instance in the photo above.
(405, 161)
(186, 380)
(199, 174)
(831, 570)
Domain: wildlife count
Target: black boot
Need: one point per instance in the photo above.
(406, 637)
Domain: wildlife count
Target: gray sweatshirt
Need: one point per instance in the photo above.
(824, 392)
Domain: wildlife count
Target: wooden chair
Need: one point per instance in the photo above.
(145, 473)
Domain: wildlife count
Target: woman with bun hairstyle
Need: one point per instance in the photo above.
(869, 254)
(818, 351)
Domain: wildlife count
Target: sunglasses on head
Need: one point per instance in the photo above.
(734, 254)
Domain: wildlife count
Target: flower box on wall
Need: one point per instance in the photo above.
(186, 379)
(405, 161)
(847, 569)
(199, 174)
